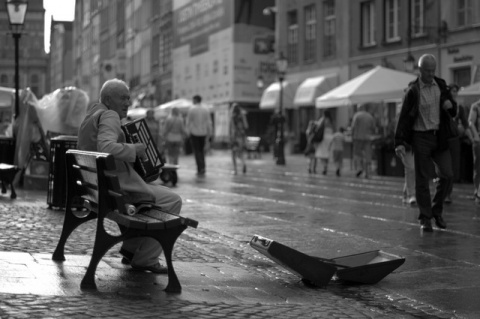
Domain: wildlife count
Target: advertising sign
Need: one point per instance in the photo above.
(220, 49)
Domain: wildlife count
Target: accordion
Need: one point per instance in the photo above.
(137, 132)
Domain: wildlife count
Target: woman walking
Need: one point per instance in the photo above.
(238, 136)
(174, 134)
(322, 149)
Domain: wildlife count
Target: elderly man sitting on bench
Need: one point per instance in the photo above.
(101, 131)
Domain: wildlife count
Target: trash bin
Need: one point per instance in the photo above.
(57, 178)
(7, 149)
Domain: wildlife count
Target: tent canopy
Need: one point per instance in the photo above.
(470, 90)
(271, 96)
(181, 104)
(311, 88)
(376, 85)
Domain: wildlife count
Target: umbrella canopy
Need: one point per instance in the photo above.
(378, 84)
(470, 90)
(141, 112)
(181, 104)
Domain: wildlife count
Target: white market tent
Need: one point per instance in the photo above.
(182, 104)
(470, 90)
(378, 84)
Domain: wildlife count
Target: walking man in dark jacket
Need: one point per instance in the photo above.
(423, 124)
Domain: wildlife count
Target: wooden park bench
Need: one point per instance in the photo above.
(88, 177)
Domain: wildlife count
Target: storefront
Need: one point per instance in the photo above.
(304, 101)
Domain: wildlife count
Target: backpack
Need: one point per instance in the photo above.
(318, 130)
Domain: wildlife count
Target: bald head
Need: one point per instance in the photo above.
(427, 65)
(110, 87)
(427, 58)
(115, 95)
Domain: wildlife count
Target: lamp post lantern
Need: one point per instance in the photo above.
(16, 10)
(282, 65)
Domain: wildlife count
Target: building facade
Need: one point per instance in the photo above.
(221, 49)
(314, 37)
(33, 61)
(61, 56)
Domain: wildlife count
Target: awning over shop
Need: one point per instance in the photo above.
(312, 88)
(271, 96)
(378, 84)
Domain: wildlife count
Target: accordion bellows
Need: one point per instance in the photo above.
(137, 132)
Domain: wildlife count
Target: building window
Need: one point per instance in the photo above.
(462, 76)
(310, 32)
(418, 17)
(35, 84)
(4, 80)
(368, 23)
(329, 47)
(464, 13)
(155, 53)
(165, 49)
(391, 20)
(292, 39)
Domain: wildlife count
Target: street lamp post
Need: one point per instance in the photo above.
(282, 65)
(410, 60)
(16, 10)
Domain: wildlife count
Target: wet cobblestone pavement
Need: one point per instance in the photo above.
(221, 275)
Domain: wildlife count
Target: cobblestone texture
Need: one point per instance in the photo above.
(32, 228)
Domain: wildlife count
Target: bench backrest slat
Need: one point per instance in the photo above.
(84, 180)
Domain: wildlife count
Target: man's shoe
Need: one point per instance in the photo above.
(126, 256)
(440, 222)
(412, 200)
(448, 199)
(426, 225)
(156, 268)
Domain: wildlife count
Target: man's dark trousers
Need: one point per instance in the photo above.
(425, 149)
(198, 147)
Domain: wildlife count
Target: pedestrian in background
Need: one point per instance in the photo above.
(238, 136)
(455, 143)
(336, 148)
(310, 148)
(174, 134)
(322, 149)
(199, 126)
(474, 127)
(154, 127)
(363, 129)
(409, 167)
(274, 126)
(424, 124)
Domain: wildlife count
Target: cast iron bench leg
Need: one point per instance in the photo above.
(69, 224)
(103, 242)
(167, 240)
